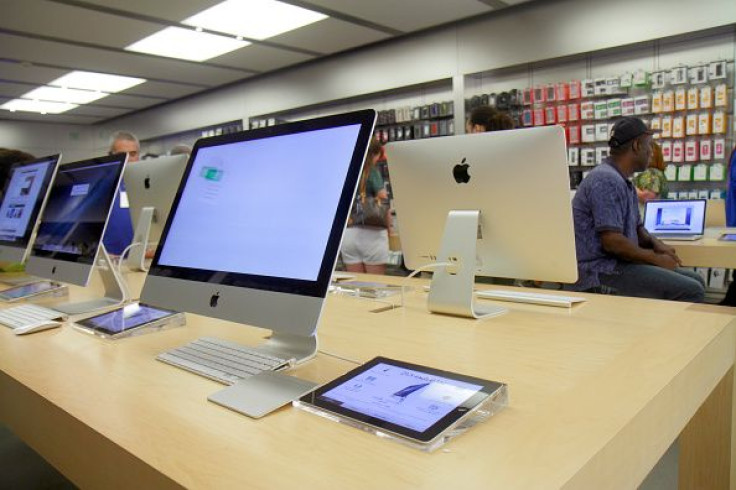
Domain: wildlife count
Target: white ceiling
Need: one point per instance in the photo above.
(41, 40)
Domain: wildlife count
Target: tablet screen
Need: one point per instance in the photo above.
(28, 289)
(131, 316)
(414, 401)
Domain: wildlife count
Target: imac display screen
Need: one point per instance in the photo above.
(23, 199)
(78, 207)
(265, 209)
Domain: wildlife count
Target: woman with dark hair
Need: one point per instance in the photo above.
(365, 242)
(486, 118)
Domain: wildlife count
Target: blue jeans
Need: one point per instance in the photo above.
(650, 281)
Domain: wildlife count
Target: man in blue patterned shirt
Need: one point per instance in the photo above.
(614, 250)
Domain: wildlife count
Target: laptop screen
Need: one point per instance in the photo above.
(675, 217)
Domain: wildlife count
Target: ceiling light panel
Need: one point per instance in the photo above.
(27, 105)
(103, 82)
(255, 19)
(68, 95)
(186, 44)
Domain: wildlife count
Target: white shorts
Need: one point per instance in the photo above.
(365, 245)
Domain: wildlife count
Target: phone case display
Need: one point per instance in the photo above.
(700, 172)
(587, 111)
(588, 133)
(678, 151)
(600, 109)
(666, 150)
(678, 127)
(416, 122)
(691, 124)
(719, 148)
(719, 122)
(721, 97)
(706, 97)
(601, 132)
(666, 126)
(688, 107)
(706, 149)
(573, 156)
(692, 153)
(656, 102)
(680, 99)
(693, 98)
(668, 101)
(561, 113)
(550, 115)
(573, 134)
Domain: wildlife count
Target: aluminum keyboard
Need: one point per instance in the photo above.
(23, 315)
(220, 360)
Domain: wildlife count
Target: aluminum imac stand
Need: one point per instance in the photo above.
(116, 291)
(137, 255)
(451, 292)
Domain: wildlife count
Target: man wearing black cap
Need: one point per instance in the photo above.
(614, 250)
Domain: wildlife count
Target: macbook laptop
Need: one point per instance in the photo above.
(675, 219)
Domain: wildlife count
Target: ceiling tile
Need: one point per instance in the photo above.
(261, 58)
(73, 23)
(31, 74)
(118, 63)
(173, 11)
(91, 110)
(330, 36)
(49, 118)
(407, 15)
(162, 89)
(9, 89)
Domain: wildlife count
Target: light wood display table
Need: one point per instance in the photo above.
(708, 251)
(597, 394)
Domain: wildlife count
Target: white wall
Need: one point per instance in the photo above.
(39, 139)
(526, 34)
(648, 56)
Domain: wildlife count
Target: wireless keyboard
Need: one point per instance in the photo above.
(533, 298)
(24, 315)
(220, 360)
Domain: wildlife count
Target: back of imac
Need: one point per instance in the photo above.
(151, 186)
(514, 184)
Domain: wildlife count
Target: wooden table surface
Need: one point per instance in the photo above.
(597, 394)
(709, 251)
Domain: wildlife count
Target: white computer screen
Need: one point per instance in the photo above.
(262, 207)
(24, 192)
(686, 217)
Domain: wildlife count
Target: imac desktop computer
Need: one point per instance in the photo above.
(73, 223)
(254, 231)
(151, 186)
(23, 199)
(494, 204)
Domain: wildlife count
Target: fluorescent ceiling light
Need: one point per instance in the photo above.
(186, 44)
(27, 105)
(68, 95)
(256, 19)
(103, 82)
